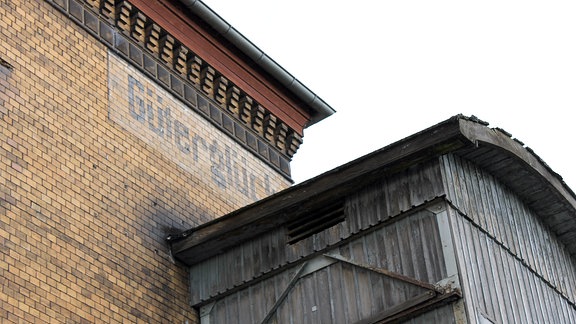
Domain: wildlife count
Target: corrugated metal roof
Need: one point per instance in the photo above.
(492, 149)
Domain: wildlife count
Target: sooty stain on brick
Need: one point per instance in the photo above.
(69, 211)
(5, 67)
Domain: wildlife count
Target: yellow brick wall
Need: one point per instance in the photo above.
(87, 196)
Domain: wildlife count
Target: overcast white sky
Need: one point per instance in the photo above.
(393, 68)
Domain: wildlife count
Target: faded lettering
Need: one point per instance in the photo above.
(149, 108)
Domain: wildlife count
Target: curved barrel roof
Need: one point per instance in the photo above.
(493, 149)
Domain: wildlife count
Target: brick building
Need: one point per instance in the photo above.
(123, 122)
(145, 177)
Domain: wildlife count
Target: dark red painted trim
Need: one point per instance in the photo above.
(254, 82)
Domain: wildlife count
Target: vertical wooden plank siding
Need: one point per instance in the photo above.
(344, 293)
(443, 314)
(375, 203)
(499, 285)
(513, 224)
(508, 258)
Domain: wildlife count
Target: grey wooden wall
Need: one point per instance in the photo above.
(513, 268)
(376, 203)
(344, 293)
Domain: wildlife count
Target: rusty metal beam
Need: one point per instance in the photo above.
(387, 273)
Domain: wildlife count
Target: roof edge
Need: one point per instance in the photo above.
(439, 139)
(497, 137)
(320, 108)
(458, 134)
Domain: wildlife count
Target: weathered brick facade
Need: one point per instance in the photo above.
(98, 165)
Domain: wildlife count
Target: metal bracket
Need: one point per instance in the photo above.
(205, 312)
(443, 290)
(305, 269)
(285, 293)
(437, 207)
(448, 284)
(388, 273)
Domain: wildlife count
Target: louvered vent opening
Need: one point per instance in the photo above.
(315, 222)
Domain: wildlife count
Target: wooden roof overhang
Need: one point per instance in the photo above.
(493, 149)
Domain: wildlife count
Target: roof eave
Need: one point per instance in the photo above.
(319, 108)
(324, 189)
(457, 134)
